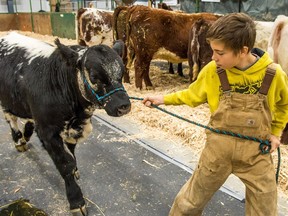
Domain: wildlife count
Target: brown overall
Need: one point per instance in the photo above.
(247, 114)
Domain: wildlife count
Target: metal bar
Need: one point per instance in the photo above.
(239, 5)
(31, 12)
(15, 6)
(198, 6)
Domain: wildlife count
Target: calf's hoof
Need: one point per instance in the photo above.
(82, 211)
(21, 147)
(76, 174)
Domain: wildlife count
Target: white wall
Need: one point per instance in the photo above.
(3, 6)
(24, 6)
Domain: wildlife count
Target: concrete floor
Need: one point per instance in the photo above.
(118, 177)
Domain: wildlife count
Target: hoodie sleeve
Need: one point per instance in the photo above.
(193, 96)
(278, 101)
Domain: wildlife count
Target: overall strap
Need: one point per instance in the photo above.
(269, 75)
(223, 79)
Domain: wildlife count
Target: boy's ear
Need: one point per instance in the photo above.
(244, 50)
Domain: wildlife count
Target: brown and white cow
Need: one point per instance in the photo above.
(199, 51)
(156, 33)
(94, 27)
(119, 33)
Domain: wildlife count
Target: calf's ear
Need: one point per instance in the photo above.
(119, 46)
(70, 55)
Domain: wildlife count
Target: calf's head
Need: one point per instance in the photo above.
(101, 70)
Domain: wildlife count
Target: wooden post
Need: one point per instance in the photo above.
(149, 3)
(52, 5)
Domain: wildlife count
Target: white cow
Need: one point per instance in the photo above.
(278, 42)
(263, 30)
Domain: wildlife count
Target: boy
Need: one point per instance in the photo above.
(238, 104)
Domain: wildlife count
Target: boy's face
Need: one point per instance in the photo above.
(224, 57)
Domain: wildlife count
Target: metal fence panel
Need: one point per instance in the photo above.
(64, 25)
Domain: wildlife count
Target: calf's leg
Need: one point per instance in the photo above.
(65, 162)
(28, 130)
(71, 148)
(20, 139)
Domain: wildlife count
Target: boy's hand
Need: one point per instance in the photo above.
(155, 100)
(275, 142)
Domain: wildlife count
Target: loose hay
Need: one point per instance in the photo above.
(160, 123)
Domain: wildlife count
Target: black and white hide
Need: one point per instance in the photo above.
(56, 89)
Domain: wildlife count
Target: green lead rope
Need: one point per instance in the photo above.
(262, 146)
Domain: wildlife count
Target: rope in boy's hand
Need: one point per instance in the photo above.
(265, 145)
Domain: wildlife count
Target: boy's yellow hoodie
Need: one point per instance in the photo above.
(207, 89)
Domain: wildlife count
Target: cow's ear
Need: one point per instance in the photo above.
(70, 55)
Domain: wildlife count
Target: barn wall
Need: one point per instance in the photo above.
(8, 22)
(24, 21)
(42, 24)
(56, 24)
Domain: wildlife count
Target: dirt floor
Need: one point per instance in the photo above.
(167, 125)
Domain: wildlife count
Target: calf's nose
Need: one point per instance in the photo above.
(124, 109)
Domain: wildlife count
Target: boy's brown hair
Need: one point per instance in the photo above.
(235, 30)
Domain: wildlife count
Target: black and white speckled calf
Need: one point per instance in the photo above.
(55, 90)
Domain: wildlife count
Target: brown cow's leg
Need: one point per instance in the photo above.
(145, 72)
(141, 66)
(180, 69)
(147, 80)
(284, 137)
(190, 61)
(139, 71)
(171, 69)
(138, 79)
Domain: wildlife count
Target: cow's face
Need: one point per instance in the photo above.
(103, 69)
